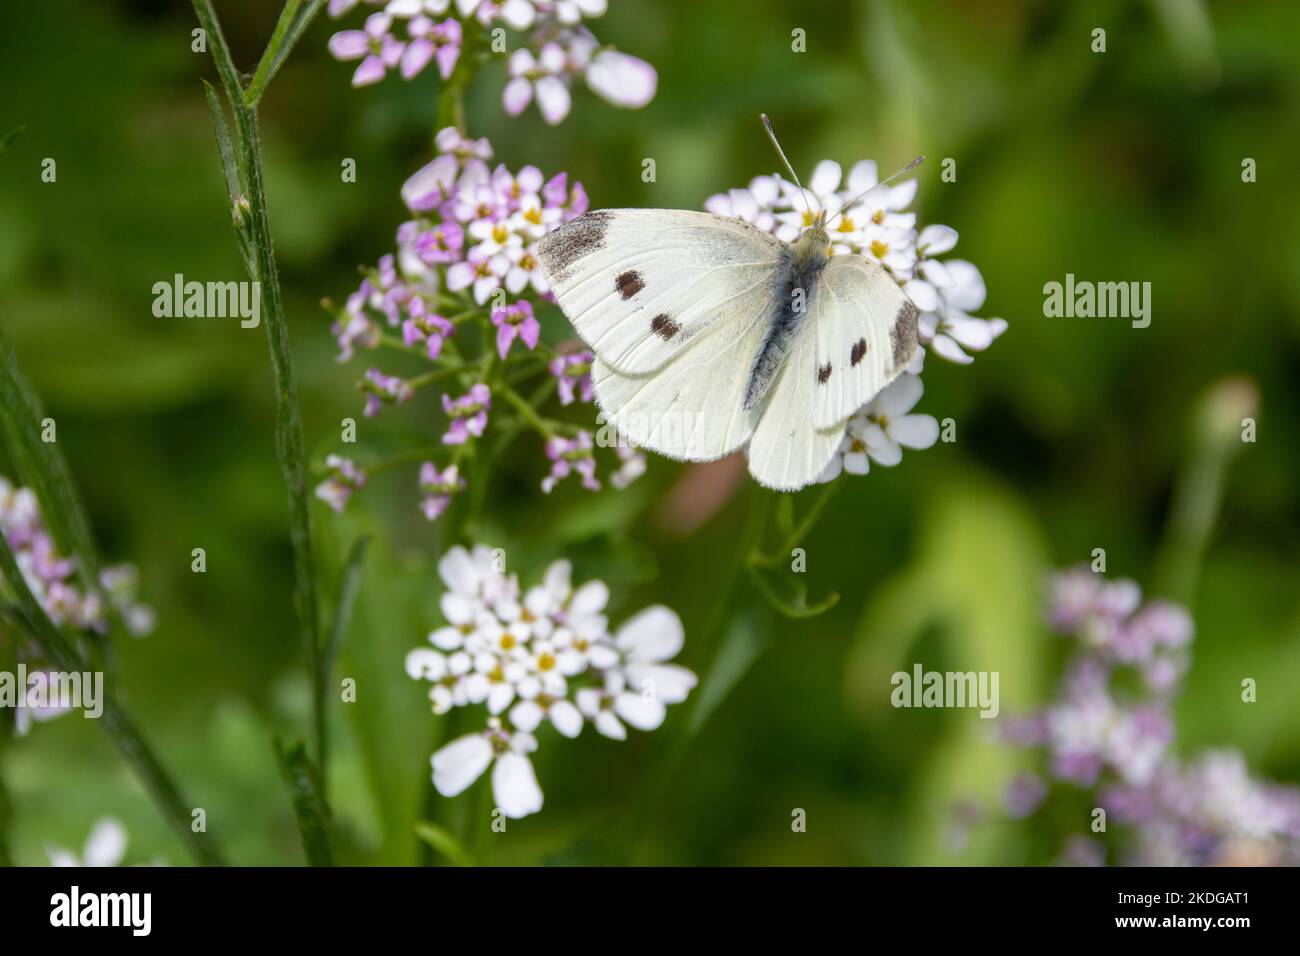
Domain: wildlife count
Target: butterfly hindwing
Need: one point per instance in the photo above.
(865, 329)
(787, 450)
(640, 284)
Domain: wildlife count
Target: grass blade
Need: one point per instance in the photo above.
(42, 467)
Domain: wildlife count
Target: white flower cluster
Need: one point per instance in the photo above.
(880, 228)
(544, 655)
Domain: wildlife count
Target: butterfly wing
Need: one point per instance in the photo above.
(865, 330)
(787, 450)
(640, 284)
(691, 407)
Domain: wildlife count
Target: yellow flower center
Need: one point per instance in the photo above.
(500, 233)
(879, 249)
(878, 216)
(545, 662)
(508, 641)
(534, 216)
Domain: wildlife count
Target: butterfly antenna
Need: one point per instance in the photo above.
(771, 133)
(884, 182)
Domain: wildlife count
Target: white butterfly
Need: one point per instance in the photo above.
(709, 333)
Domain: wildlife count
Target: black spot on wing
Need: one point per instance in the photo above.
(629, 284)
(824, 374)
(902, 337)
(857, 352)
(663, 326)
(560, 249)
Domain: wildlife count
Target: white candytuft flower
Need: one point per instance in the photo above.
(546, 656)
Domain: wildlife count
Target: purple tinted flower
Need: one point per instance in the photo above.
(622, 80)
(631, 465)
(1083, 851)
(573, 375)
(430, 40)
(437, 487)
(424, 326)
(381, 389)
(543, 76)
(379, 48)
(48, 575)
(442, 244)
(468, 414)
(571, 456)
(1024, 794)
(352, 330)
(515, 321)
(343, 477)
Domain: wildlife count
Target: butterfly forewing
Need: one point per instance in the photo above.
(640, 284)
(690, 408)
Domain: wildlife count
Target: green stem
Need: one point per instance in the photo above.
(800, 532)
(527, 412)
(288, 432)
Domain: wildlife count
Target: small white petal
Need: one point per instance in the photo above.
(936, 239)
(566, 718)
(456, 568)
(655, 634)
(589, 599)
(945, 347)
(106, 845)
(899, 397)
(608, 725)
(914, 431)
(641, 712)
(825, 178)
(460, 763)
(922, 294)
(514, 786)
(425, 664)
(526, 715)
(671, 683)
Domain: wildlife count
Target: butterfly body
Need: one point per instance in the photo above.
(796, 283)
(710, 333)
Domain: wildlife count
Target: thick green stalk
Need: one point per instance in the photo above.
(288, 431)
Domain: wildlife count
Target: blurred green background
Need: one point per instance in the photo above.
(1071, 432)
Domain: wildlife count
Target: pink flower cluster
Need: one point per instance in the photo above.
(1114, 736)
(407, 36)
(49, 576)
(468, 251)
(475, 230)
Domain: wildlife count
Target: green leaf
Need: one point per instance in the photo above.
(293, 22)
(789, 595)
(349, 587)
(443, 842)
(42, 467)
(309, 807)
